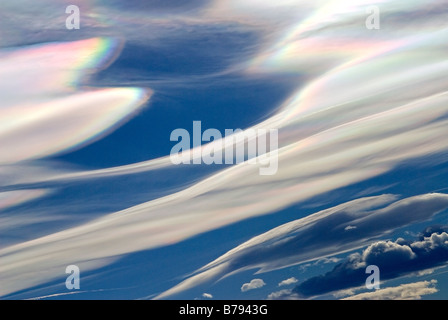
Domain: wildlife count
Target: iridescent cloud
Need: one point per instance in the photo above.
(43, 111)
(369, 103)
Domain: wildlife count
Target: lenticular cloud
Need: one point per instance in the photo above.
(367, 103)
(43, 111)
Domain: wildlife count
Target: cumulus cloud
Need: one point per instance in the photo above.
(410, 291)
(253, 284)
(330, 260)
(288, 281)
(207, 295)
(394, 259)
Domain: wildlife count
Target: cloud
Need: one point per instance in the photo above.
(57, 295)
(13, 198)
(326, 260)
(323, 260)
(288, 281)
(343, 293)
(426, 272)
(410, 291)
(56, 115)
(383, 252)
(207, 295)
(428, 231)
(328, 135)
(322, 234)
(285, 294)
(253, 284)
(394, 259)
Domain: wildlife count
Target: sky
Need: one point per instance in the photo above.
(87, 177)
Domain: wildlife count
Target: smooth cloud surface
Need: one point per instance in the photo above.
(368, 103)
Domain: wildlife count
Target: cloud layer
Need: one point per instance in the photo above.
(367, 103)
(324, 233)
(253, 284)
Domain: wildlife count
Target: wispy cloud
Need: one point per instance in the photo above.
(368, 103)
(285, 294)
(51, 115)
(394, 259)
(319, 235)
(12, 198)
(288, 282)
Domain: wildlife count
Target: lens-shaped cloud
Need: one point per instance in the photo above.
(368, 103)
(50, 115)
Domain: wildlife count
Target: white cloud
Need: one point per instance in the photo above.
(343, 293)
(411, 291)
(49, 115)
(253, 284)
(287, 282)
(326, 260)
(394, 258)
(16, 197)
(207, 295)
(272, 250)
(284, 294)
(386, 250)
(329, 136)
(432, 242)
(426, 272)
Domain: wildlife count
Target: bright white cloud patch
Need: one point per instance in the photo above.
(411, 291)
(253, 284)
(13, 198)
(207, 295)
(50, 115)
(288, 282)
(284, 294)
